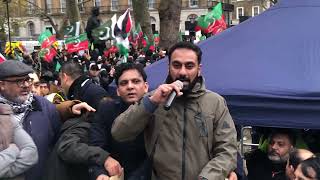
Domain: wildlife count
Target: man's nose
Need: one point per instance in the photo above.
(130, 85)
(183, 71)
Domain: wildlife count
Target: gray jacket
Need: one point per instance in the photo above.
(195, 138)
(21, 154)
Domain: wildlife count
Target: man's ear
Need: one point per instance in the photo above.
(146, 85)
(199, 69)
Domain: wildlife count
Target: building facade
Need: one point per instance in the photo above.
(27, 22)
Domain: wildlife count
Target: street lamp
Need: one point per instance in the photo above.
(7, 3)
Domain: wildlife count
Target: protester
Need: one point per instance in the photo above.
(295, 158)
(37, 115)
(35, 84)
(18, 153)
(308, 169)
(131, 156)
(78, 86)
(196, 138)
(272, 165)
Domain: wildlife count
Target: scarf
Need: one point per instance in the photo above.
(19, 110)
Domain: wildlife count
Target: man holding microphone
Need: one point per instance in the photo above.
(191, 138)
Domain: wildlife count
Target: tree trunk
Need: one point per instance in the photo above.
(142, 16)
(169, 14)
(73, 12)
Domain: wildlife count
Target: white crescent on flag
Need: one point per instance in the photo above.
(77, 43)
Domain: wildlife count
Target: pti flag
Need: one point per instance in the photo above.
(214, 21)
(77, 43)
(47, 41)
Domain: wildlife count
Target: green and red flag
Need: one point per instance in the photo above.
(213, 22)
(46, 39)
(47, 54)
(156, 39)
(77, 43)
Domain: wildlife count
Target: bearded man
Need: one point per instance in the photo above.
(272, 164)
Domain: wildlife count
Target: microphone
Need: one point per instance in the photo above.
(172, 95)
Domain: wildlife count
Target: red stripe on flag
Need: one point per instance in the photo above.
(2, 58)
(75, 47)
(48, 42)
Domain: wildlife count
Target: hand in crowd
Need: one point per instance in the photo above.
(102, 177)
(113, 166)
(232, 176)
(76, 109)
(163, 91)
(112, 71)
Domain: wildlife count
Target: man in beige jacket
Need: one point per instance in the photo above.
(196, 137)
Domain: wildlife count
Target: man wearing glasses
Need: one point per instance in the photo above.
(37, 115)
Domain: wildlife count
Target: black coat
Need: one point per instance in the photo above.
(261, 168)
(131, 155)
(72, 154)
(85, 90)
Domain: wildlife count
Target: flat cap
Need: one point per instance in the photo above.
(12, 68)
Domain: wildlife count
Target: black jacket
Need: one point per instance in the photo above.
(85, 90)
(131, 155)
(72, 154)
(260, 167)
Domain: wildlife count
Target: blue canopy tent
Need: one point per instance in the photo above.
(267, 68)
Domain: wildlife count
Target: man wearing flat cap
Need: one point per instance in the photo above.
(36, 114)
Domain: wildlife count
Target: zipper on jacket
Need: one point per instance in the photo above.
(184, 142)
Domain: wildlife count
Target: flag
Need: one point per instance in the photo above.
(58, 67)
(46, 39)
(156, 39)
(48, 42)
(106, 30)
(72, 30)
(123, 46)
(2, 58)
(213, 22)
(135, 35)
(77, 43)
(124, 24)
(47, 54)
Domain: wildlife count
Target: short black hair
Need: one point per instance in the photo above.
(185, 45)
(120, 69)
(311, 163)
(72, 69)
(284, 131)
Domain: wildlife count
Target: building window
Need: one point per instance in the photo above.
(193, 3)
(49, 6)
(130, 3)
(30, 7)
(192, 18)
(30, 26)
(240, 12)
(255, 10)
(114, 5)
(81, 5)
(63, 6)
(151, 4)
(97, 3)
(15, 28)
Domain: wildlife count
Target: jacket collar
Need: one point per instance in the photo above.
(76, 85)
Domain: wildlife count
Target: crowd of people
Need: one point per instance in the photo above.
(69, 124)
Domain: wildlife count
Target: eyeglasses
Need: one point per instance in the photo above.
(20, 82)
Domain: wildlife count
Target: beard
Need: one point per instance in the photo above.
(187, 83)
(276, 158)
